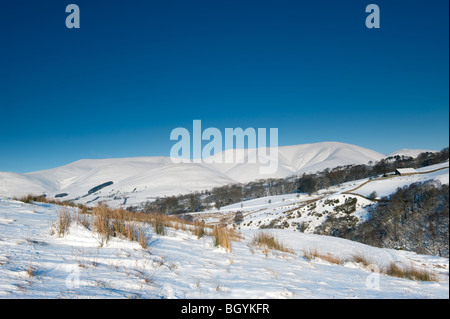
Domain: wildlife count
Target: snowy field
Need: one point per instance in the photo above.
(36, 264)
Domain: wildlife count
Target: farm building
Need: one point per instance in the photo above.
(405, 171)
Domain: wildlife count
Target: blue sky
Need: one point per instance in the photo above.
(135, 70)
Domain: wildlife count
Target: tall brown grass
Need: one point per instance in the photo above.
(393, 269)
(108, 222)
(268, 241)
(159, 223)
(31, 270)
(63, 222)
(102, 223)
(199, 229)
(410, 272)
(314, 254)
(361, 259)
(222, 237)
(83, 220)
(142, 238)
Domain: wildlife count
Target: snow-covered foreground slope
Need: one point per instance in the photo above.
(136, 180)
(36, 264)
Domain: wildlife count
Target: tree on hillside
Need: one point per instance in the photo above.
(306, 184)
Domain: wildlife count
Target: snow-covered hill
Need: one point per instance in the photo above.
(36, 264)
(126, 181)
(308, 212)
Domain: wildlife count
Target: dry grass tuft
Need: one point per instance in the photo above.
(31, 270)
(102, 223)
(142, 238)
(268, 241)
(395, 270)
(199, 229)
(314, 254)
(83, 220)
(235, 235)
(410, 272)
(222, 237)
(159, 223)
(361, 259)
(63, 222)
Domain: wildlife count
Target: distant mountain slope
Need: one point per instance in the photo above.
(299, 159)
(135, 180)
(409, 152)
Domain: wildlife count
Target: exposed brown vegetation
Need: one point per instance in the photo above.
(410, 272)
(142, 237)
(62, 224)
(83, 220)
(266, 240)
(361, 259)
(111, 222)
(199, 229)
(222, 237)
(314, 254)
(102, 223)
(393, 269)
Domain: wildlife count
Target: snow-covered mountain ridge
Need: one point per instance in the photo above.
(128, 181)
(136, 180)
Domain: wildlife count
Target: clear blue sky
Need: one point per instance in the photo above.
(137, 69)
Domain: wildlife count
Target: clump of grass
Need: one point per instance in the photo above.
(361, 259)
(199, 229)
(102, 223)
(118, 227)
(130, 232)
(410, 272)
(83, 220)
(314, 254)
(142, 238)
(31, 270)
(309, 254)
(393, 269)
(63, 223)
(268, 241)
(235, 235)
(222, 237)
(124, 229)
(159, 224)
